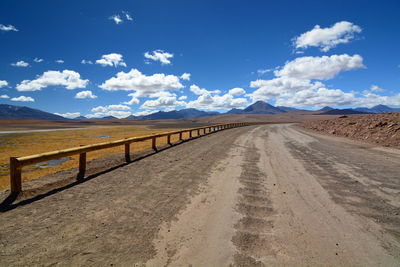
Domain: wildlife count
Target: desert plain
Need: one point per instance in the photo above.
(271, 194)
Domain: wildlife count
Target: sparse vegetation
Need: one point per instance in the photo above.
(24, 144)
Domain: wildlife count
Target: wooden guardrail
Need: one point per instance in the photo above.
(16, 163)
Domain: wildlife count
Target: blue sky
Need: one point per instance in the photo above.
(236, 52)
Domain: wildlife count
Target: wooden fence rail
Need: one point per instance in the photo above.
(16, 163)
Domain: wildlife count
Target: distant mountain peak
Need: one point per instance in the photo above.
(286, 109)
(109, 118)
(261, 107)
(235, 111)
(347, 111)
(176, 114)
(11, 112)
(326, 108)
(80, 118)
(380, 106)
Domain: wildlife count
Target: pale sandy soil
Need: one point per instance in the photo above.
(251, 196)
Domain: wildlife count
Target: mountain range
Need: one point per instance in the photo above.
(175, 114)
(360, 110)
(10, 112)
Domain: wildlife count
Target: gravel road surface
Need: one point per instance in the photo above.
(251, 196)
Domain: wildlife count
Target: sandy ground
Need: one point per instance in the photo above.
(251, 196)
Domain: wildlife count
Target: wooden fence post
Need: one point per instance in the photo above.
(127, 152)
(82, 165)
(16, 164)
(15, 176)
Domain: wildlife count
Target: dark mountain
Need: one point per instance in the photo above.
(235, 111)
(384, 109)
(286, 109)
(341, 112)
(108, 118)
(327, 108)
(10, 112)
(131, 117)
(378, 109)
(364, 109)
(175, 114)
(81, 118)
(260, 107)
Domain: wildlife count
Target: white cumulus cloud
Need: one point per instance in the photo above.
(212, 100)
(159, 55)
(69, 115)
(4, 96)
(201, 91)
(321, 68)
(237, 91)
(59, 61)
(20, 64)
(134, 100)
(317, 97)
(8, 28)
(112, 60)
(143, 85)
(299, 92)
(145, 112)
(118, 107)
(369, 99)
(119, 111)
(84, 61)
(119, 114)
(3, 83)
(23, 99)
(99, 109)
(68, 78)
(110, 107)
(38, 60)
(85, 94)
(162, 102)
(264, 71)
(376, 88)
(327, 38)
(185, 76)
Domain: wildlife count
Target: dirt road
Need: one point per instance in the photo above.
(251, 196)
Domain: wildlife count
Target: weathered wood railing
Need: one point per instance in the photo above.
(16, 163)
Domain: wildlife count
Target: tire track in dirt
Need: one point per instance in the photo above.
(349, 188)
(310, 228)
(113, 218)
(253, 231)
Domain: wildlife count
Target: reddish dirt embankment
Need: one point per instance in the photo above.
(382, 129)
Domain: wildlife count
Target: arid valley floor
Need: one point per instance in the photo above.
(272, 194)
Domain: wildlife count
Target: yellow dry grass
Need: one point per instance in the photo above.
(18, 145)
